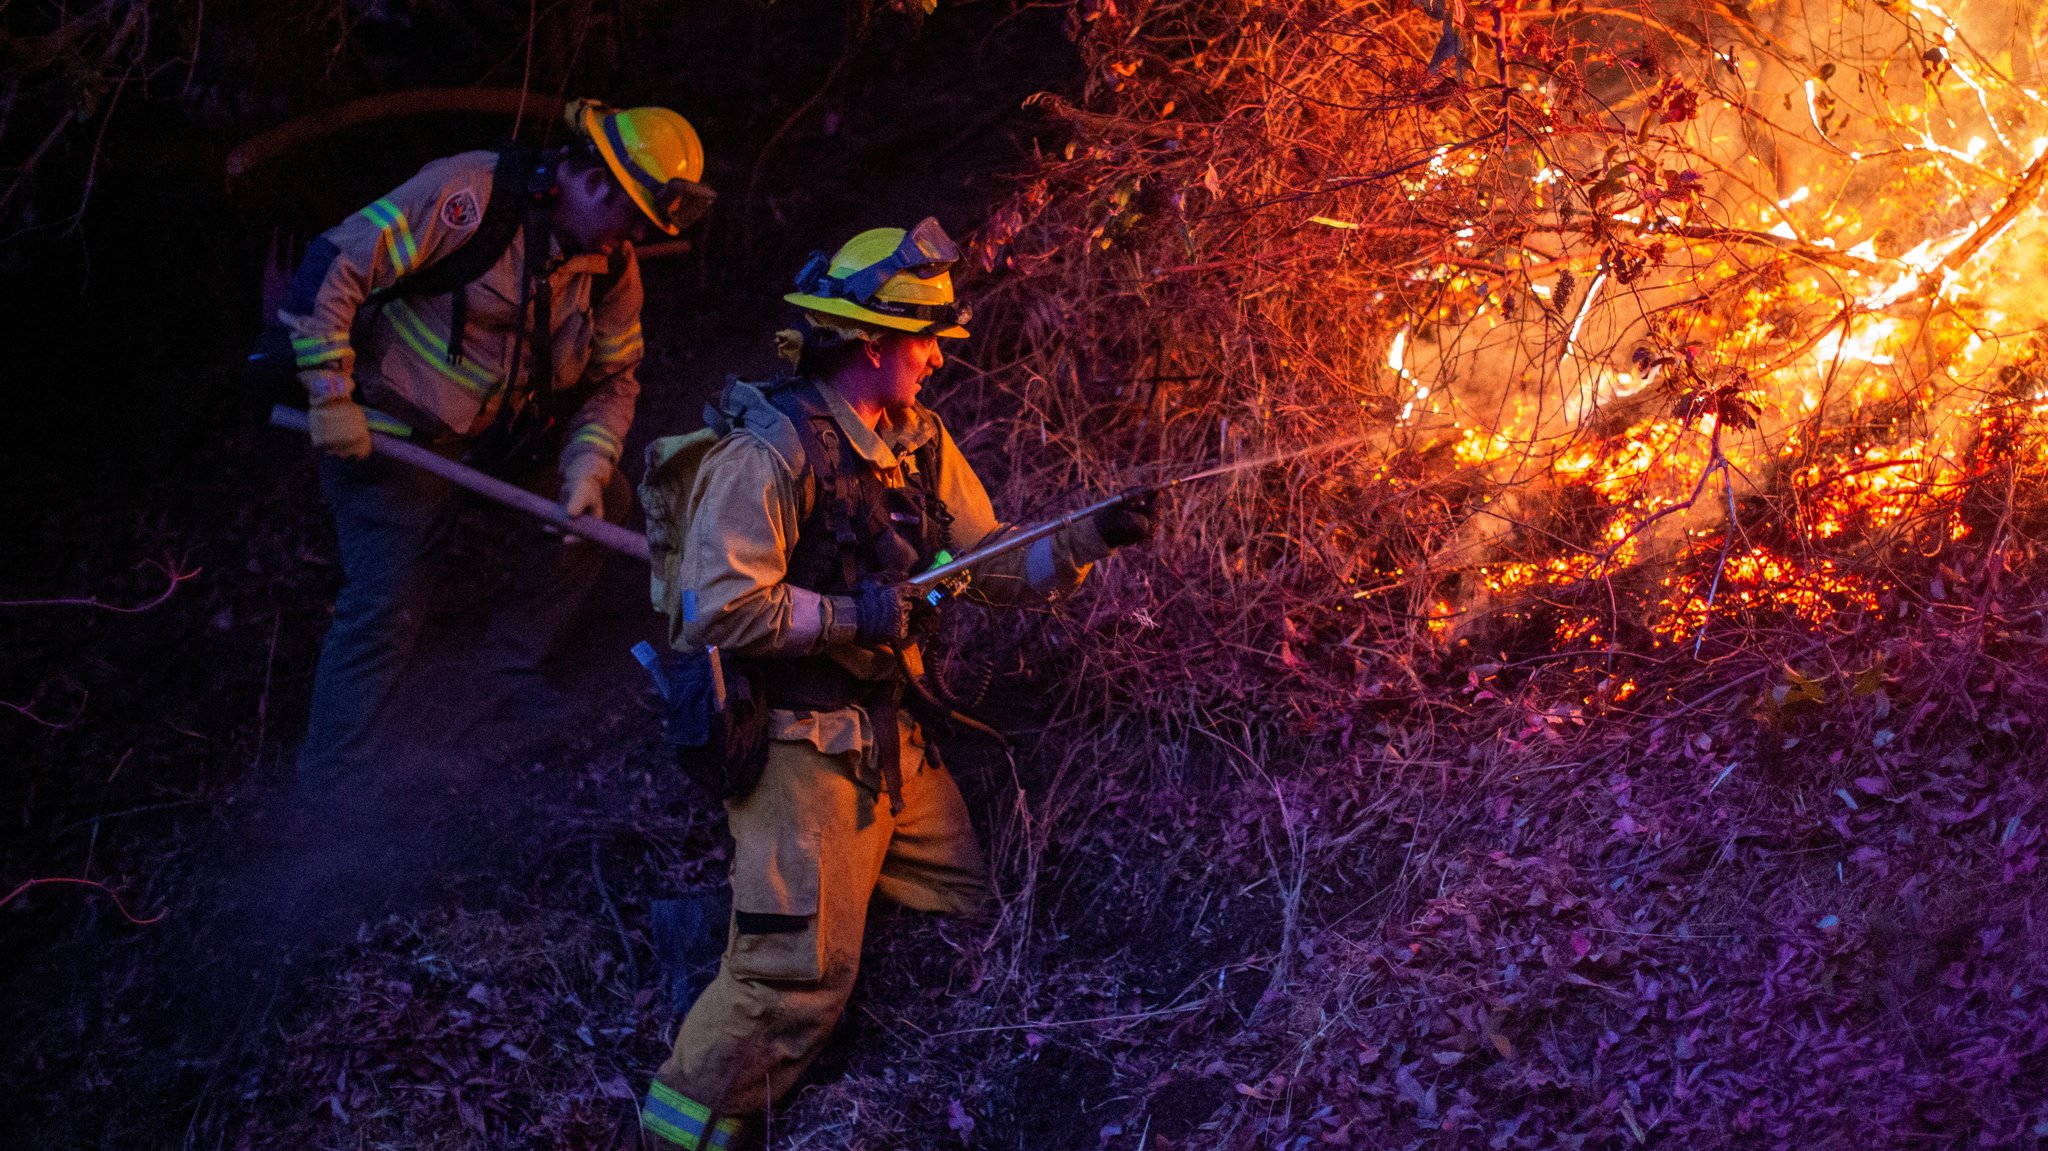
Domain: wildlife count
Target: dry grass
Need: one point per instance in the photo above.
(1596, 757)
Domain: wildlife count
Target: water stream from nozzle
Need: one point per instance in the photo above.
(1272, 458)
(1038, 531)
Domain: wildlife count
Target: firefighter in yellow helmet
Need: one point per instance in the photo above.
(791, 539)
(488, 308)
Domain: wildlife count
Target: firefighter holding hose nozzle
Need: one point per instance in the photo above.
(782, 538)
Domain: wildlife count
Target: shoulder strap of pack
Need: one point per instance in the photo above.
(534, 281)
(745, 404)
(503, 214)
(836, 485)
(938, 520)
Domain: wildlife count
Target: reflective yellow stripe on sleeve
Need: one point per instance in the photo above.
(313, 351)
(433, 350)
(379, 422)
(599, 437)
(614, 349)
(397, 236)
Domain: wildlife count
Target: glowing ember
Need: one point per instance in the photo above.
(1822, 373)
(1662, 322)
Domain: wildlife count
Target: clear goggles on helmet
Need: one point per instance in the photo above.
(925, 251)
(683, 202)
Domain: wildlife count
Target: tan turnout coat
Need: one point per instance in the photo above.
(811, 844)
(398, 353)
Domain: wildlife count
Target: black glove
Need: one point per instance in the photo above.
(881, 612)
(1130, 522)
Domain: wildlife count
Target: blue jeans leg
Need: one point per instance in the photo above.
(390, 520)
(551, 580)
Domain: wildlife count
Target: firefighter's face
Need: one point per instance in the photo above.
(901, 365)
(595, 214)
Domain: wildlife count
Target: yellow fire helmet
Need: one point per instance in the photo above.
(888, 278)
(653, 153)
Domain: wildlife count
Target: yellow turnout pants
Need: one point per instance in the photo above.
(811, 848)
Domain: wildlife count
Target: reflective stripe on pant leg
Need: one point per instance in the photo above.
(680, 1120)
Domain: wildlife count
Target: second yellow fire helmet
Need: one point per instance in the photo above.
(655, 156)
(888, 278)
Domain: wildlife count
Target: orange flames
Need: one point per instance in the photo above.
(1765, 350)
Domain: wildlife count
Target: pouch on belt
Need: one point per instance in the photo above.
(718, 722)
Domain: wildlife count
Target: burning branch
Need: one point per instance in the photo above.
(1416, 300)
(512, 103)
(2021, 198)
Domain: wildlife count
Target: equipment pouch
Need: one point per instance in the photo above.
(718, 722)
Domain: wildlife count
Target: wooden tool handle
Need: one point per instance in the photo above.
(592, 528)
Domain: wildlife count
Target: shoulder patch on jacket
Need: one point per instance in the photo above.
(460, 212)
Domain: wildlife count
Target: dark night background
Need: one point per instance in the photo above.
(154, 753)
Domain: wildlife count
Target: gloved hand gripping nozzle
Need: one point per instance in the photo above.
(1134, 507)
